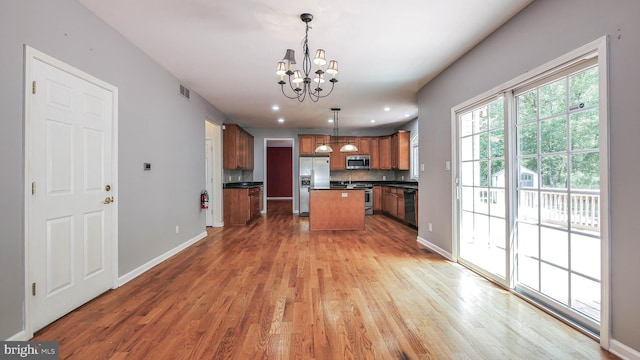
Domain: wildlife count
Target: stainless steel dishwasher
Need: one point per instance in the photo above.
(410, 207)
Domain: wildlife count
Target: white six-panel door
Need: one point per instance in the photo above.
(70, 210)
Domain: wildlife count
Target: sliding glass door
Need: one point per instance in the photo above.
(528, 206)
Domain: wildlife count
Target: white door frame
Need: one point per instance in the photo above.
(30, 55)
(293, 173)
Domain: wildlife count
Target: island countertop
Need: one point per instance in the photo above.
(336, 209)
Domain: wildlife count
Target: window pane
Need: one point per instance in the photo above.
(482, 196)
(497, 173)
(585, 296)
(466, 124)
(528, 272)
(585, 171)
(497, 143)
(554, 171)
(467, 198)
(528, 139)
(497, 232)
(554, 246)
(483, 143)
(482, 115)
(484, 174)
(529, 166)
(554, 283)
(527, 108)
(585, 132)
(481, 230)
(466, 148)
(583, 88)
(585, 255)
(553, 135)
(496, 114)
(528, 240)
(466, 176)
(553, 98)
(554, 208)
(496, 202)
(528, 205)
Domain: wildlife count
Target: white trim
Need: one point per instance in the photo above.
(21, 336)
(619, 349)
(605, 230)
(218, 224)
(159, 259)
(434, 247)
(31, 54)
(455, 187)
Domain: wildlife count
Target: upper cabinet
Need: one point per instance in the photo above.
(237, 148)
(400, 142)
(389, 152)
(308, 143)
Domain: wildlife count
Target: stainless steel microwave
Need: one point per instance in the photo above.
(358, 162)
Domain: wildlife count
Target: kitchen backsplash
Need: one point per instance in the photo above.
(370, 175)
(231, 176)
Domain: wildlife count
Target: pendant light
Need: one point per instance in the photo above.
(348, 147)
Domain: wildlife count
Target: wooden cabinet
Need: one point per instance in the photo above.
(400, 142)
(242, 205)
(364, 145)
(375, 154)
(377, 199)
(400, 204)
(338, 159)
(237, 148)
(390, 201)
(384, 143)
(308, 143)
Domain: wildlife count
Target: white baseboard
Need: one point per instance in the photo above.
(145, 267)
(21, 336)
(218, 224)
(447, 255)
(623, 351)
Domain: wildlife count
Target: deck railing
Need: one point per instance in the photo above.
(581, 208)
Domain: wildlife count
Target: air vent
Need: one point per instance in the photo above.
(184, 91)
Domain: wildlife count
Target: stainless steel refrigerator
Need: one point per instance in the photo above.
(314, 173)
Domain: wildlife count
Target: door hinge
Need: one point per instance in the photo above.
(33, 87)
(33, 289)
(33, 188)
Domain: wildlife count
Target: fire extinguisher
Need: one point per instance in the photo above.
(204, 200)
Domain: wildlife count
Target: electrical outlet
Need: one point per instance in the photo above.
(229, 177)
(402, 177)
(384, 177)
(430, 227)
(177, 229)
(447, 165)
(421, 167)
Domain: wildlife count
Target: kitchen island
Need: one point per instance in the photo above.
(336, 209)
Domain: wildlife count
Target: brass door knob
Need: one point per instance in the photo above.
(109, 200)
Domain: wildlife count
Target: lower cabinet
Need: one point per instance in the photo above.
(242, 205)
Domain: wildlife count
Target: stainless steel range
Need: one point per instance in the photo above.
(368, 196)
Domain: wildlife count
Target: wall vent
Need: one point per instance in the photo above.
(184, 91)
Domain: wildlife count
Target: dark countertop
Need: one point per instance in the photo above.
(242, 185)
(398, 184)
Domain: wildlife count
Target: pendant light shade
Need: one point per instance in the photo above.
(348, 148)
(324, 148)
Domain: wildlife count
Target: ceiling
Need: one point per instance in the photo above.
(227, 51)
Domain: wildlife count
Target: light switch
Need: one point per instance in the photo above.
(421, 167)
(345, 195)
(447, 165)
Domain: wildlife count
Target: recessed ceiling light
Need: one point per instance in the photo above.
(373, 121)
(387, 109)
(330, 120)
(406, 115)
(281, 120)
(275, 107)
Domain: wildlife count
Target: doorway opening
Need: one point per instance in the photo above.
(278, 177)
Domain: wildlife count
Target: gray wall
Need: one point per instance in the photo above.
(545, 30)
(156, 125)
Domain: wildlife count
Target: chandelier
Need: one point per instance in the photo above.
(348, 147)
(306, 83)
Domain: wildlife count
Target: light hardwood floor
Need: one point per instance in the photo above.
(275, 290)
